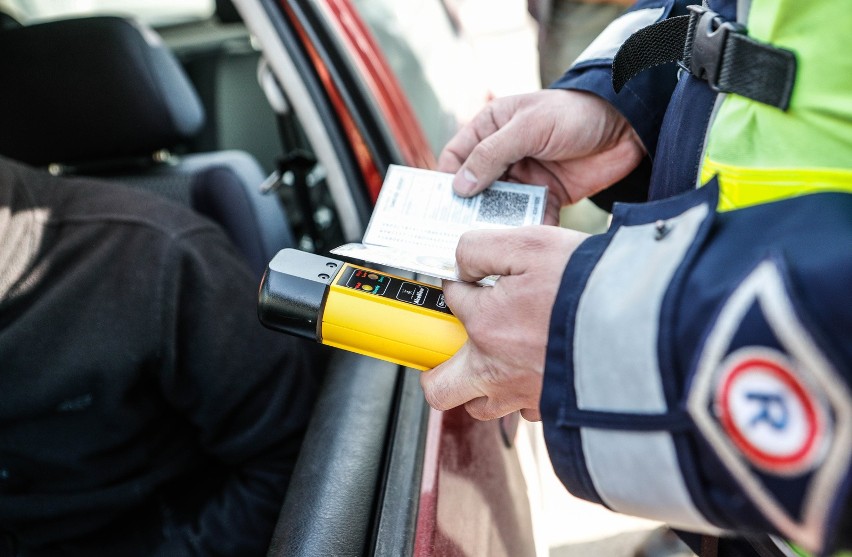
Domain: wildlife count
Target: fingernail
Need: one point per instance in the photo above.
(466, 183)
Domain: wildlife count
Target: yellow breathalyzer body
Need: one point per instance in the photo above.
(358, 309)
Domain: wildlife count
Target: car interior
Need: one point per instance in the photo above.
(162, 117)
(141, 108)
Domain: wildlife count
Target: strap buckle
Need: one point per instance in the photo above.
(705, 44)
(717, 51)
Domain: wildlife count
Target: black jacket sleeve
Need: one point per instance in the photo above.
(247, 392)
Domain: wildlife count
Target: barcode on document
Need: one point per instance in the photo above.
(503, 207)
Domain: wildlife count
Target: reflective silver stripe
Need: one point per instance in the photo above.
(615, 339)
(610, 40)
(616, 369)
(637, 473)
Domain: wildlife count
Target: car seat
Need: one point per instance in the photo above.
(102, 96)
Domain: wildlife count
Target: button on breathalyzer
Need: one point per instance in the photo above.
(358, 309)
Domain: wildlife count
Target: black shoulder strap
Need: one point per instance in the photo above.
(712, 49)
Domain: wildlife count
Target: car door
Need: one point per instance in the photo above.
(380, 473)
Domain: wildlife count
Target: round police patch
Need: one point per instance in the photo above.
(769, 413)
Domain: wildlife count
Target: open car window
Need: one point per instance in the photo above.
(432, 60)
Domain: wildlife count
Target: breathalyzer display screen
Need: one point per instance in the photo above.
(415, 293)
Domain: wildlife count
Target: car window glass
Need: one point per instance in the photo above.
(432, 61)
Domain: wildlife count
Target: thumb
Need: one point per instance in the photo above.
(490, 159)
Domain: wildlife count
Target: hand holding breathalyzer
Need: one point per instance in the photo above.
(500, 368)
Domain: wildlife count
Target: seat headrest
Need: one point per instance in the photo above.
(8, 22)
(91, 89)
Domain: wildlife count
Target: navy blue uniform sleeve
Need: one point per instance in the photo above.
(698, 367)
(643, 100)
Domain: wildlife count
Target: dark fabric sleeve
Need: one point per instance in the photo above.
(742, 332)
(643, 101)
(247, 391)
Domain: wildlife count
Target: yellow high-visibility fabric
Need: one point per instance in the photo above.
(761, 153)
(744, 186)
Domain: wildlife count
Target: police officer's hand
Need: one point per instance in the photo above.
(574, 142)
(500, 368)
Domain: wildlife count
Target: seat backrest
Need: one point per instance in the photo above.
(102, 96)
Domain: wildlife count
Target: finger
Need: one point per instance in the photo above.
(461, 145)
(531, 414)
(491, 157)
(463, 299)
(457, 149)
(488, 408)
(481, 253)
(448, 385)
(542, 173)
(484, 408)
(551, 212)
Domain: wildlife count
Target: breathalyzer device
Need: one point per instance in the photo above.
(358, 309)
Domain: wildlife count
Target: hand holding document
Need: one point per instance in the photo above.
(418, 220)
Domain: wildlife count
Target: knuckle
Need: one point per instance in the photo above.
(448, 161)
(480, 329)
(434, 399)
(487, 154)
(529, 240)
(491, 109)
(492, 377)
(433, 393)
(478, 409)
(463, 250)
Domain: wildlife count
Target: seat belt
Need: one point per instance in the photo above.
(710, 48)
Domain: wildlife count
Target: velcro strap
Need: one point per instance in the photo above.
(656, 44)
(712, 49)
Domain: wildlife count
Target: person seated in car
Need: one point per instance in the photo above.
(143, 408)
